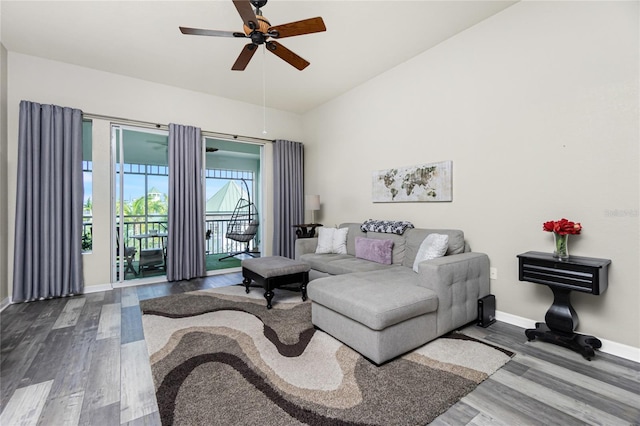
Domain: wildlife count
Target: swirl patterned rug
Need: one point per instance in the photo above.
(219, 357)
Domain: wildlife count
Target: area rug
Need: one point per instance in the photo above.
(219, 357)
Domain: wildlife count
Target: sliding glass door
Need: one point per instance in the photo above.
(140, 202)
(233, 202)
(232, 178)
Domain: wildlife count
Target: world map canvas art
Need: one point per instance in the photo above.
(427, 182)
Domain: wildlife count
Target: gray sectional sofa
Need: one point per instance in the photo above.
(383, 311)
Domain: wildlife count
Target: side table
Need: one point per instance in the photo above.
(584, 274)
(303, 232)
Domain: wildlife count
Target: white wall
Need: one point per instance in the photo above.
(538, 109)
(102, 93)
(536, 106)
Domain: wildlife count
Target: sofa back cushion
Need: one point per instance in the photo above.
(415, 237)
(375, 250)
(354, 231)
(405, 246)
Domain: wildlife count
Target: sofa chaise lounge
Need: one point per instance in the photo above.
(385, 310)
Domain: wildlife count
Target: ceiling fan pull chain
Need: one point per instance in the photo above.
(264, 91)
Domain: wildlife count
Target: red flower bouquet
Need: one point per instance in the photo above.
(561, 230)
(562, 227)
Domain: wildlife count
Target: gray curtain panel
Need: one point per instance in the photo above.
(288, 197)
(50, 190)
(186, 234)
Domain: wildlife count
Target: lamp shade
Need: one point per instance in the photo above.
(312, 202)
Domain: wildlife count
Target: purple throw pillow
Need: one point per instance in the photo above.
(374, 250)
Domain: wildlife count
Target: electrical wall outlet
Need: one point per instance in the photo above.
(493, 273)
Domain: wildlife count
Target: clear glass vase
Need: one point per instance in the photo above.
(562, 246)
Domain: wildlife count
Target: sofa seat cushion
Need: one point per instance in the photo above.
(376, 299)
(320, 262)
(354, 264)
(337, 264)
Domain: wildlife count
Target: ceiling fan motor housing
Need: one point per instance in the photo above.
(263, 26)
(258, 3)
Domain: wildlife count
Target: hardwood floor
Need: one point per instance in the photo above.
(83, 360)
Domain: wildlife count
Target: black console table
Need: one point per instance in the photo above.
(585, 274)
(303, 232)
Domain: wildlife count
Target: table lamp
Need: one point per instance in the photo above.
(312, 202)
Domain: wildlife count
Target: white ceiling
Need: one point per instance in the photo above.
(141, 39)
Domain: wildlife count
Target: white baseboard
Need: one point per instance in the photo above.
(608, 346)
(98, 288)
(140, 281)
(4, 303)
(90, 289)
(515, 320)
(223, 271)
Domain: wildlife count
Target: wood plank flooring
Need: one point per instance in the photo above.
(84, 361)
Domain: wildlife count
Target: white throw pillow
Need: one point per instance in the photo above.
(325, 240)
(332, 240)
(340, 240)
(435, 245)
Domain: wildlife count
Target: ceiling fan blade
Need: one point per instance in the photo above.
(244, 58)
(306, 26)
(212, 33)
(287, 55)
(246, 13)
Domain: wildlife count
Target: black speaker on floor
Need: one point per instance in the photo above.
(487, 310)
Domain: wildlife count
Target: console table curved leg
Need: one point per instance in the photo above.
(532, 333)
(581, 343)
(561, 316)
(561, 321)
(592, 341)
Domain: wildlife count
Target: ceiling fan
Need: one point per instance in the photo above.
(259, 30)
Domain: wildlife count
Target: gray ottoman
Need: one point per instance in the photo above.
(275, 271)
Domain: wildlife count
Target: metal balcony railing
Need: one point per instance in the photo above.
(217, 243)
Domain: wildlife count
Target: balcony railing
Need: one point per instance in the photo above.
(217, 243)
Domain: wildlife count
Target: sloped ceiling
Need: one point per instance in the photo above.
(141, 39)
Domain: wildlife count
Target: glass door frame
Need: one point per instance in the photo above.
(118, 270)
(258, 188)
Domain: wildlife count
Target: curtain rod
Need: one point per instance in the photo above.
(150, 125)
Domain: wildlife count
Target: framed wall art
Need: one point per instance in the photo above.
(426, 182)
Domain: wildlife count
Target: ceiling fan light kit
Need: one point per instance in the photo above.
(263, 26)
(259, 30)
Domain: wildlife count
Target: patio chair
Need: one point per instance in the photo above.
(129, 255)
(243, 226)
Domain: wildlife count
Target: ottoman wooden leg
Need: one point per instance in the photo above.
(269, 296)
(246, 281)
(303, 286)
